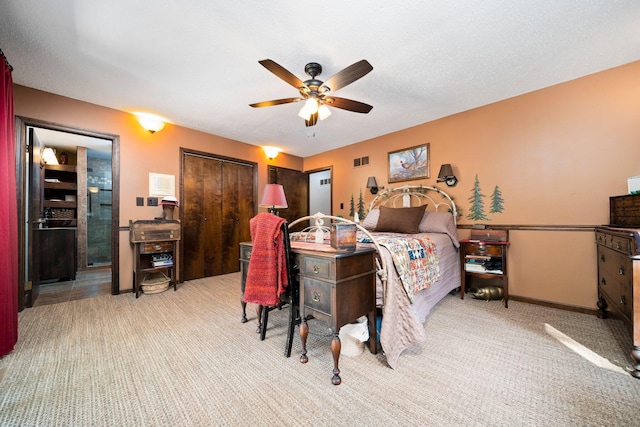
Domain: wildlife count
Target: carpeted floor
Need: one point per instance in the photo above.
(184, 359)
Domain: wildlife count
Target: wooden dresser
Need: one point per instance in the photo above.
(618, 252)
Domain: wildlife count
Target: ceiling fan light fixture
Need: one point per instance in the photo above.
(323, 112)
(304, 113)
(311, 105)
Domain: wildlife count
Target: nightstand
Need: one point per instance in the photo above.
(485, 245)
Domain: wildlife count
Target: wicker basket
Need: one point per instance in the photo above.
(155, 283)
(59, 213)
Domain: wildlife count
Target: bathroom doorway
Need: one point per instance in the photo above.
(78, 197)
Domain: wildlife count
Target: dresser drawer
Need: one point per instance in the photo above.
(482, 249)
(317, 295)
(614, 262)
(622, 244)
(320, 267)
(615, 280)
(156, 247)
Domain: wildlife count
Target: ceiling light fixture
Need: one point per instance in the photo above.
(150, 122)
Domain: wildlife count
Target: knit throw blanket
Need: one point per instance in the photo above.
(267, 275)
(415, 259)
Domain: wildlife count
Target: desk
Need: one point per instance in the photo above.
(336, 287)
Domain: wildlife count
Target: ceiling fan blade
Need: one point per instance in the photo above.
(348, 104)
(348, 75)
(275, 102)
(282, 72)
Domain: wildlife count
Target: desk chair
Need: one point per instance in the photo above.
(290, 297)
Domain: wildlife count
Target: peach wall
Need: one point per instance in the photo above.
(140, 152)
(556, 154)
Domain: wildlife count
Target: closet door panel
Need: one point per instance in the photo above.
(214, 224)
(193, 217)
(237, 211)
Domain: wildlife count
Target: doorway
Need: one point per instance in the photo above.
(79, 197)
(320, 191)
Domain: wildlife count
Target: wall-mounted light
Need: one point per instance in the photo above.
(446, 175)
(150, 122)
(271, 152)
(273, 198)
(372, 185)
(49, 156)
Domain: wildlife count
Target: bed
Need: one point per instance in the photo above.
(421, 243)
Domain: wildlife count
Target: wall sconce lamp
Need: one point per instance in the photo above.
(372, 185)
(273, 198)
(49, 156)
(150, 122)
(446, 175)
(271, 152)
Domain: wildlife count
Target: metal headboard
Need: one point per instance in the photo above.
(416, 195)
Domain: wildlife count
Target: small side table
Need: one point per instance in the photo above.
(477, 248)
(149, 238)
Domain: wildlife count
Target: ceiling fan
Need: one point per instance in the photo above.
(316, 93)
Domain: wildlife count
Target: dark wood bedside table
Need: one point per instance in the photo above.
(477, 248)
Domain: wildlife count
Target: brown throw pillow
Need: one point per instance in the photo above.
(400, 220)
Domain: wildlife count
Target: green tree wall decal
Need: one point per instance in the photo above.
(497, 202)
(352, 211)
(361, 206)
(476, 212)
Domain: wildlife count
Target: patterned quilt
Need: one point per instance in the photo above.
(415, 259)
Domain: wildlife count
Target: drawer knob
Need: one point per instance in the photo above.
(316, 270)
(618, 245)
(316, 297)
(482, 249)
(157, 247)
(603, 281)
(621, 271)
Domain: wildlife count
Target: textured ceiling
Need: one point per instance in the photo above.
(196, 62)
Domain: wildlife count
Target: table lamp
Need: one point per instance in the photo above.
(273, 198)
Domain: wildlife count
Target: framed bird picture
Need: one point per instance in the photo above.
(409, 164)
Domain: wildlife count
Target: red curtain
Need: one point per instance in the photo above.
(8, 216)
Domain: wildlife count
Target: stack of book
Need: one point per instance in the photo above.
(483, 264)
(162, 260)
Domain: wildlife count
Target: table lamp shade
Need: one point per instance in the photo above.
(273, 197)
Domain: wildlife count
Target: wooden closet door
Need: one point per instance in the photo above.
(237, 211)
(218, 203)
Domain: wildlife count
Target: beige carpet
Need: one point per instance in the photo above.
(184, 359)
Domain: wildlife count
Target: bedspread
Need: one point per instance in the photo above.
(415, 260)
(403, 323)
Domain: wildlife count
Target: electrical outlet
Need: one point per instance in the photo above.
(152, 201)
(139, 201)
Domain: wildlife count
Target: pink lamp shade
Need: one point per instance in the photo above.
(273, 197)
